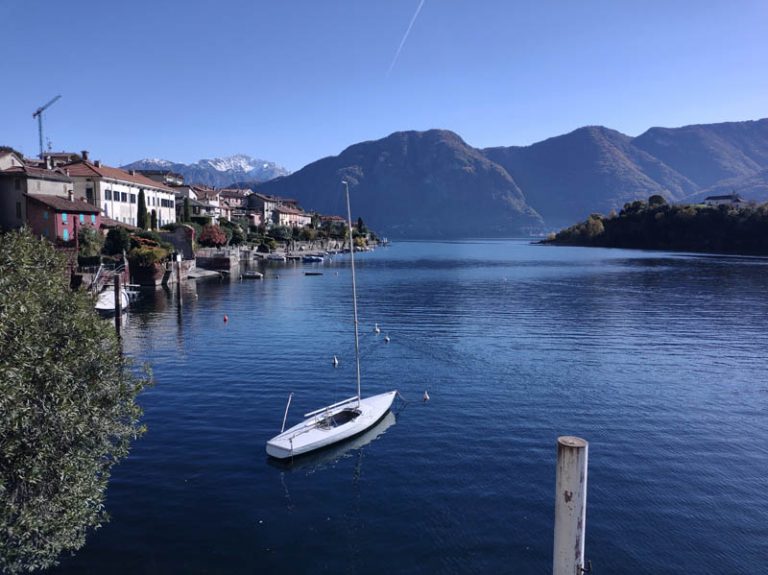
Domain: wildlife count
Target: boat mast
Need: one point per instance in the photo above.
(354, 291)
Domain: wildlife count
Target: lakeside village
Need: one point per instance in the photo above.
(150, 228)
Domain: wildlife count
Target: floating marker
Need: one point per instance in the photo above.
(335, 361)
(426, 396)
(226, 319)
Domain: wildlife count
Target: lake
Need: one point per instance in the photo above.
(657, 359)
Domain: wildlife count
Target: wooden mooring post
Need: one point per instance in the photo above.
(570, 506)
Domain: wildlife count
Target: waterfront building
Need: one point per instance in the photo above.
(116, 191)
(18, 180)
(291, 217)
(60, 218)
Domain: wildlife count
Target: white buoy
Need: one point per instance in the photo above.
(335, 361)
(376, 328)
(426, 395)
(386, 339)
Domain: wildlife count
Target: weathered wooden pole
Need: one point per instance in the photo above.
(178, 279)
(570, 505)
(118, 305)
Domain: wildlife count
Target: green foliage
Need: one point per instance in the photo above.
(307, 234)
(141, 219)
(185, 211)
(153, 219)
(238, 236)
(267, 245)
(201, 220)
(147, 255)
(118, 240)
(281, 233)
(67, 398)
(687, 227)
(90, 240)
(145, 235)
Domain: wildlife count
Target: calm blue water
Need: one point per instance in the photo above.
(657, 359)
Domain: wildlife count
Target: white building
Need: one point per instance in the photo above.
(116, 192)
(730, 200)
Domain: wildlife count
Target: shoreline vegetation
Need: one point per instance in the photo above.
(658, 225)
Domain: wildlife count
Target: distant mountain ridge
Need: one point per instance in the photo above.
(433, 184)
(216, 172)
(415, 184)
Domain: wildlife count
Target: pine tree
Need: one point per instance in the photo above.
(141, 218)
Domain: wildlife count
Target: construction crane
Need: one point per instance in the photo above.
(39, 115)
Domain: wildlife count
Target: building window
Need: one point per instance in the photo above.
(64, 218)
(89, 195)
(133, 198)
(66, 235)
(107, 194)
(124, 198)
(82, 218)
(93, 219)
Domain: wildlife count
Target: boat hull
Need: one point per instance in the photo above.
(315, 433)
(105, 302)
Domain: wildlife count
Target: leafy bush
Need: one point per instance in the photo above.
(68, 405)
(145, 256)
(90, 240)
(118, 240)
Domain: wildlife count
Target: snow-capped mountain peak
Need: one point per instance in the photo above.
(216, 172)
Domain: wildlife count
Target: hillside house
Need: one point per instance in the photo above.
(733, 200)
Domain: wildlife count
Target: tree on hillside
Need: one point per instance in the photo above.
(141, 219)
(67, 397)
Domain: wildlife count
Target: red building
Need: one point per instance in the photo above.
(56, 217)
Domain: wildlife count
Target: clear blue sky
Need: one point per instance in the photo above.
(294, 81)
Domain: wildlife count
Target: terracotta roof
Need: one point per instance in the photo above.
(207, 193)
(38, 173)
(62, 204)
(290, 210)
(235, 193)
(90, 170)
(110, 223)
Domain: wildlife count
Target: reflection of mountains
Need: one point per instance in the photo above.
(318, 460)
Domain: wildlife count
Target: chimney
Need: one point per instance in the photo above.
(97, 163)
(133, 172)
(84, 153)
(71, 195)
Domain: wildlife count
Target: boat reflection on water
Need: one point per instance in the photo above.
(318, 460)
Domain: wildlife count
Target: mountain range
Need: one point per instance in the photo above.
(433, 184)
(216, 172)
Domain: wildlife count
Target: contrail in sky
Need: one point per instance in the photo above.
(405, 37)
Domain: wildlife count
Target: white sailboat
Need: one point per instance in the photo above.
(339, 421)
